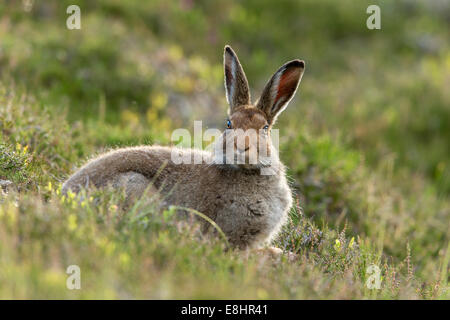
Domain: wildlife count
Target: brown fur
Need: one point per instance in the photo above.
(249, 207)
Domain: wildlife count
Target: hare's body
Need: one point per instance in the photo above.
(229, 185)
(247, 206)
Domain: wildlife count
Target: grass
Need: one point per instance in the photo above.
(366, 144)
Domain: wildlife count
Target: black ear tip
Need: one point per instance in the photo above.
(298, 63)
(229, 50)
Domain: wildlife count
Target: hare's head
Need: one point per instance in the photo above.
(246, 142)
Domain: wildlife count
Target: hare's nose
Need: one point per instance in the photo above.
(240, 150)
(242, 147)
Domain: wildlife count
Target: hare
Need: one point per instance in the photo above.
(248, 206)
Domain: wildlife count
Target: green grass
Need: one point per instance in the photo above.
(365, 141)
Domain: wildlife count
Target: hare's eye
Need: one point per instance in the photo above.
(228, 124)
(266, 128)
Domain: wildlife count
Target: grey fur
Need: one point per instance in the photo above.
(249, 207)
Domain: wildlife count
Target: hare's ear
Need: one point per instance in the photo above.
(236, 85)
(281, 89)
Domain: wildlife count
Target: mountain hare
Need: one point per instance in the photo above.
(248, 206)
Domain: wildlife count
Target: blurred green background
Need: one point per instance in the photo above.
(382, 90)
(366, 139)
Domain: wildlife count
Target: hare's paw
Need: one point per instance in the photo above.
(275, 254)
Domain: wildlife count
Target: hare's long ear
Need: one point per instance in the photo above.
(236, 85)
(281, 89)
